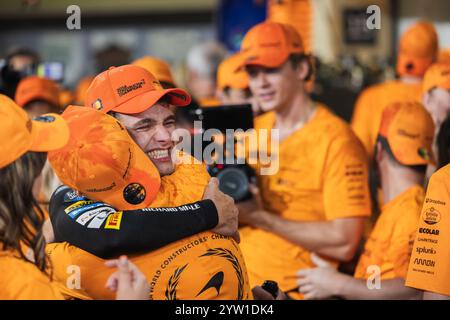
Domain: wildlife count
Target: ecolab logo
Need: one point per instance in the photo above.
(429, 231)
(123, 90)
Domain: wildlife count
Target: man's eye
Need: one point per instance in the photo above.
(143, 128)
(170, 123)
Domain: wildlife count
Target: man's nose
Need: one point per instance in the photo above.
(162, 134)
(261, 79)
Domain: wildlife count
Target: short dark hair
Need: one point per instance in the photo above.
(297, 58)
(422, 169)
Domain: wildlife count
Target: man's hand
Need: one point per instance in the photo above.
(128, 281)
(252, 212)
(226, 209)
(322, 282)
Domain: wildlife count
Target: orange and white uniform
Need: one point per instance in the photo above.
(429, 267)
(322, 176)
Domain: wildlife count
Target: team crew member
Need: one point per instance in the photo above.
(418, 50)
(111, 167)
(23, 156)
(402, 155)
(150, 132)
(232, 82)
(436, 98)
(159, 68)
(38, 95)
(429, 268)
(319, 198)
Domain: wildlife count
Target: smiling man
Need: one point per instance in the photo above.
(136, 99)
(318, 199)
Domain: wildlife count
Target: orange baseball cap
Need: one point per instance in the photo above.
(82, 87)
(103, 162)
(409, 130)
(20, 134)
(37, 88)
(418, 49)
(437, 76)
(130, 89)
(269, 44)
(230, 75)
(159, 68)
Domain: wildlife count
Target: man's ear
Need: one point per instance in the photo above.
(304, 70)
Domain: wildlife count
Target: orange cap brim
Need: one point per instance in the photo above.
(264, 60)
(49, 132)
(138, 104)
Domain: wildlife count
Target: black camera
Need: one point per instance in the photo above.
(234, 176)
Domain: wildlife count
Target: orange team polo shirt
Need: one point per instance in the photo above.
(390, 243)
(204, 266)
(429, 267)
(322, 176)
(371, 104)
(22, 280)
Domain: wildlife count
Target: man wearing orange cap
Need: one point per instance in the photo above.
(319, 198)
(38, 96)
(402, 155)
(436, 97)
(417, 51)
(136, 99)
(232, 83)
(429, 265)
(102, 162)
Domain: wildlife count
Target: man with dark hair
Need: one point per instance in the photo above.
(402, 154)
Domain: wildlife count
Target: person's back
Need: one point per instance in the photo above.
(204, 259)
(187, 269)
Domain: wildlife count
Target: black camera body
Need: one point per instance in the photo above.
(234, 178)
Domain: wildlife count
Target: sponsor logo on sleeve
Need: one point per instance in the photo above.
(431, 216)
(114, 220)
(85, 208)
(100, 218)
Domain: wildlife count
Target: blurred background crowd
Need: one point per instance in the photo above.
(194, 36)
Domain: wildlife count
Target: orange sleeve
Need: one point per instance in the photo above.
(346, 189)
(362, 120)
(429, 267)
(38, 290)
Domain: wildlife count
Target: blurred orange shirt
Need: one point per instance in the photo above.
(429, 267)
(322, 176)
(370, 106)
(390, 243)
(204, 266)
(22, 280)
